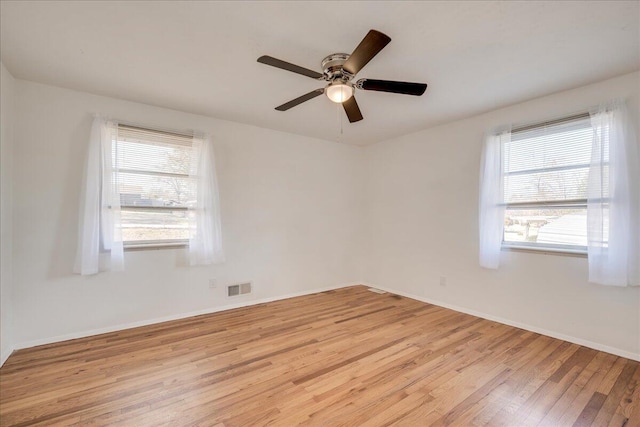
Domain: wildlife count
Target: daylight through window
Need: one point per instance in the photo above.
(546, 173)
(152, 172)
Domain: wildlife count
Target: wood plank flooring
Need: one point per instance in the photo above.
(346, 357)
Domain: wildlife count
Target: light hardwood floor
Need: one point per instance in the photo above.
(345, 357)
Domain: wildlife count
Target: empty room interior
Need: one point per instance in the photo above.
(323, 213)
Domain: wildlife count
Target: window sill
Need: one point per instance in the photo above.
(154, 246)
(546, 251)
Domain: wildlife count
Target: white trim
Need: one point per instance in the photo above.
(84, 334)
(552, 334)
(543, 251)
(4, 356)
(570, 250)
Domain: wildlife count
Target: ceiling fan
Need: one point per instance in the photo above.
(339, 69)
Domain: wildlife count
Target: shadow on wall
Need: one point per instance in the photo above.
(63, 256)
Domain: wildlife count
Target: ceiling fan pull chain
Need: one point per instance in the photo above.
(338, 119)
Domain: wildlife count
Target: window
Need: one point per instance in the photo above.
(569, 185)
(144, 187)
(545, 178)
(152, 171)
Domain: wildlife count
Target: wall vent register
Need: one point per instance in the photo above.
(239, 289)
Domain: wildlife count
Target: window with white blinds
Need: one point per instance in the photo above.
(546, 173)
(152, 172)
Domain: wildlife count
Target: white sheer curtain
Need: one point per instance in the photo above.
(99, 238)
(205, 244)
(613, 205)
(491, 199)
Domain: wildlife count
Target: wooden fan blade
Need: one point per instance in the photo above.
(300, 100)
(352, 110)
(278, 63)
(405, 88)
(369, 47)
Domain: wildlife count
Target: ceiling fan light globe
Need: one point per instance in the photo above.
(339, 92)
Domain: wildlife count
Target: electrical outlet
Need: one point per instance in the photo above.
(212, 284)
(443, 281)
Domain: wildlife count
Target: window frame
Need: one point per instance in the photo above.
(137, 245)
(541, 248)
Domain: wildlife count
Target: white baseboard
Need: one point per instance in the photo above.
(5, 355)
(84, 334)
(552, 334)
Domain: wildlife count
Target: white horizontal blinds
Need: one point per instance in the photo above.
(548, 163)
(150, 136)
(154, 184)
(546, 176)
(154, 168)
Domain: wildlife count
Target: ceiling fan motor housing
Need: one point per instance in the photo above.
(332, 67)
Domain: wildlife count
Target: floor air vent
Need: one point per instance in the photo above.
(239, 289)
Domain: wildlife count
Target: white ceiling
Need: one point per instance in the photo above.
(200, 57)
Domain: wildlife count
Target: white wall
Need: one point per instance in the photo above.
(291, 209)
(298, 214)
(423, 224)
(7, 98)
